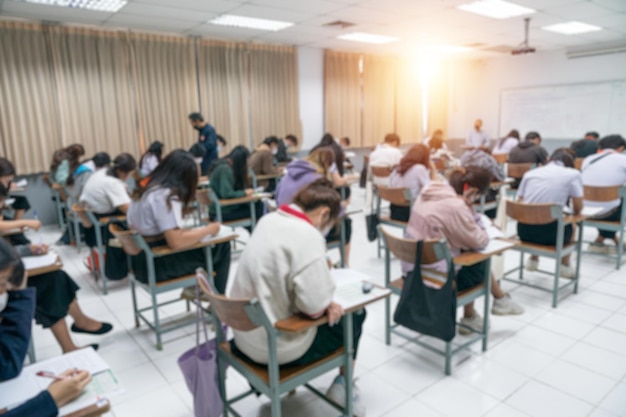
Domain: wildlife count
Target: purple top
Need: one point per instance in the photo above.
(299, 174)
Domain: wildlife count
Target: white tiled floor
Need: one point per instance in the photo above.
(569, 361)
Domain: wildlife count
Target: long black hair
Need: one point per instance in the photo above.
(178, 172)
(238, 158)
(123, 163)
(564, 155)
(156, 149)
(514, 133)
(470, 176)
(328, 141)
(10, 262)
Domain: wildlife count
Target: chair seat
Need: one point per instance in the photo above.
(389, 220)
(537, 247)
(285, 373)
(398, 284)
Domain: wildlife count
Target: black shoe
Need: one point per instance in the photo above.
(104, 328)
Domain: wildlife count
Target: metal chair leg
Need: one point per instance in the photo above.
(448, 366)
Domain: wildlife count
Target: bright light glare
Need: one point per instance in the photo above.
(367, 38)
(97, 5)
(250, 22)
(572, 28)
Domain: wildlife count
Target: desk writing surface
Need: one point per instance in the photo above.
(34, 262)
(27, 385)
(349, 289)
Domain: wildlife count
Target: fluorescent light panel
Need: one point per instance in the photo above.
(572, 28)
(367, 38)
(96, 5)
(496, 9)
(250, 22)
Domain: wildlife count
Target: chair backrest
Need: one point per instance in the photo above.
(126, 238)
(232, 312)
(433, 250)
(518, 170)
(396, 196)
(533, 213)
(578, 163)
(81, 213)
(381, 172)
(602, 194)
(500, 157)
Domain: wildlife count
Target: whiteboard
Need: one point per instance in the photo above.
(565, 111)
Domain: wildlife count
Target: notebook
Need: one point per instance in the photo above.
(349, 288)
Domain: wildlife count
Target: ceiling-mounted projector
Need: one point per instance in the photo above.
(524, 47)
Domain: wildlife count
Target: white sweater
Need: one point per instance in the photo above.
(284, 267)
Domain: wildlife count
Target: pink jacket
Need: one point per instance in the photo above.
(439, 213)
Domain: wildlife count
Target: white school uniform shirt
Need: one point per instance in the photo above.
(152, 215)
(104, 193)
(284, 267)
(477, 139)
(148, 164)
(505, 147)
(606, 172)
(551, 184)
(384, 156)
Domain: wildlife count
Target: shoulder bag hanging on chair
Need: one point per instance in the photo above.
(199, 366)
(371, 222)
(429, 311)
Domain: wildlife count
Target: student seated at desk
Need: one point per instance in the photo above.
(229, 178)
(586, 146)
(529, 151)
(555, 183)
(414, 172)
(151, 158)
(337, 170)
(445, 211)
(261, 162)
(284, 266)
(19, 206)
(106, 192)
(439, 150)
(386, 154)
(606, 169)
(85, 170)
(504, 145)
(157, 214)
(303, 172)
(15, 333)
(481, 158)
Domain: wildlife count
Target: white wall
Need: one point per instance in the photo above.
(476, 85)
(311, 95)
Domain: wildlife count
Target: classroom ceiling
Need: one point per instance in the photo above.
(417, 23)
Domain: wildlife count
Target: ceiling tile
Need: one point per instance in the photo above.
(213, 6)
(54, 13)
(289, 38)
(617, 5)
(578, 11)
(152, 23)
(265, 12)
(313, 7)
(151, 10)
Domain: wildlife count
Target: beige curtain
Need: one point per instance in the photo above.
(166, 89)
(223, 76)
(438, 99)
(379, 98)
(92, 72)
(342, 95)
(273, 91)
(29, 110)
(408, 103)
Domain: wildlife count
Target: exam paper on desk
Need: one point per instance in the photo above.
(33, 262)
(349, 288)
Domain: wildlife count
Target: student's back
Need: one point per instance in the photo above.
(528, 152)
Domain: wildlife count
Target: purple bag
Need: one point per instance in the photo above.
(199, 366)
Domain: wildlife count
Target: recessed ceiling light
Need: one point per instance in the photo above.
(572, 28)
(496, 9)
(367, 38)
(96, 5)
(250, 22)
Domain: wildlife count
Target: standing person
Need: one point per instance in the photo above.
(555, 183)
(606, 169)
(445, 211)
(15, 333)
(151, 158)
(207, 138)
(284, 267)
(586, 146)
(504, 145)
(477, 138)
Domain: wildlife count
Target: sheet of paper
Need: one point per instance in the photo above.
(28, 384)
(102, 385)
(496, 245)
(349, 291)
(492, 231)
(32, 262)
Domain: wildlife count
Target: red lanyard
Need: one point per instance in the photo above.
(295, 213)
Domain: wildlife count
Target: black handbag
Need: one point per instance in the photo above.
(372, 221)
(429, 311)
(116, 261)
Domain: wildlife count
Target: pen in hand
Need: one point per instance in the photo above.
(47, 374)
